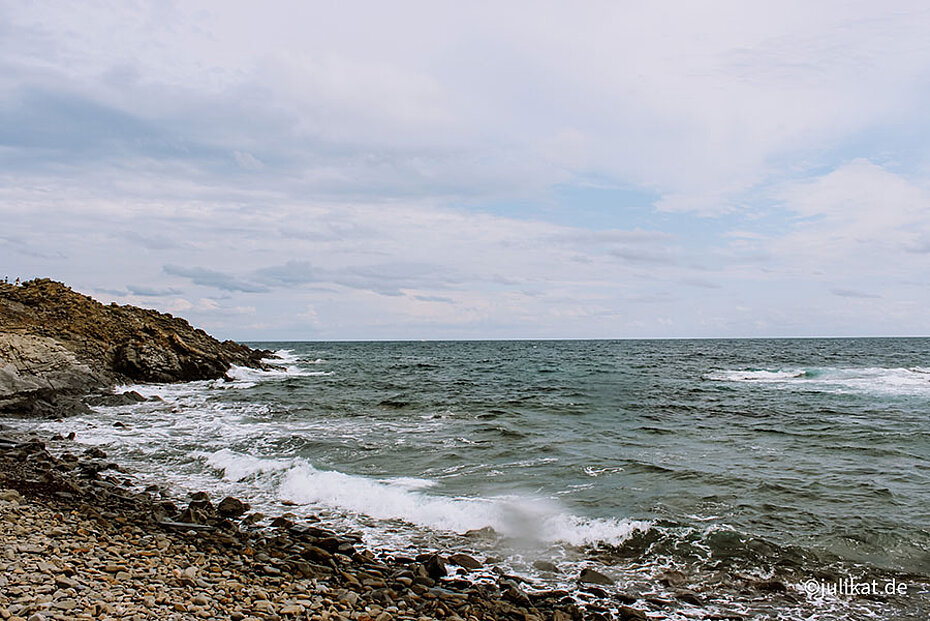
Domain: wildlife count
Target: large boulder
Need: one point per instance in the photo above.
(39, 377)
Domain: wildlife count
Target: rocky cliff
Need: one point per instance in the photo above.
(57, 345)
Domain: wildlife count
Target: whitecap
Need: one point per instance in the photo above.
(871, 380)
(518, 517)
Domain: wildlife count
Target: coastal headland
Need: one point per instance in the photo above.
(61, 351)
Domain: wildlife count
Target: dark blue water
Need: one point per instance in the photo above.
(728, 462)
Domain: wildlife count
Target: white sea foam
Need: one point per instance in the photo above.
(410, 483)
(755, 375)
(517, 517)
(873, 380)
(283, 356)
(246, 374)
(236, 466)
(295, 480)
(593, 471)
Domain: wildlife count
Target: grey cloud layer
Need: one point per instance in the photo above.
(290, 170)
(333, 113)
(385, 279)
(214, 278)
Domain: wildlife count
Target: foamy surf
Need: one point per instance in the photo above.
(871, 380)
(296, 482)
(283, 356)
(245, 374)
(755, 375)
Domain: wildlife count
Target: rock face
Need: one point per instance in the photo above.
(39, 376)
(56, 345)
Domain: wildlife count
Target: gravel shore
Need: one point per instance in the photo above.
(79, 543)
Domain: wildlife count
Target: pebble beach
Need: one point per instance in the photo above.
(79, 543)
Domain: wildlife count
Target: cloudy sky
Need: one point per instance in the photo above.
(371, 170)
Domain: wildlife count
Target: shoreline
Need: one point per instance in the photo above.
(65, 507)
(81, 544)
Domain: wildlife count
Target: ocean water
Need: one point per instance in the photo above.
(724, 467)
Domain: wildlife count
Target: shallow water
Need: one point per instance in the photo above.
(727, 461)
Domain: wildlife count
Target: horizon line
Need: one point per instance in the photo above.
(563, 339)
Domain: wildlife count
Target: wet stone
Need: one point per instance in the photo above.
(464, 560)
(591, 576)
(546, 566)
(231, 507)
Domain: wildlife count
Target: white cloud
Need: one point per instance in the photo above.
(860, 218)
(291, 157)
(696, 102)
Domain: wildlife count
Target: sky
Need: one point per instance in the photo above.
(471, 170)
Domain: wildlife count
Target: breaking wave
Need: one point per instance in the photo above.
(873, 380)
(296, 481)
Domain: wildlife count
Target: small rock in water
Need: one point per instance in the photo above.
(435, 567)
(625, 613)
(773, 586)
(593, 577)
(596, 591)
(110, 399)
(672, 578)
(546, 566)
(281, 522)
(624, 598)
(463, 560)
(689, 597)
(231, 507)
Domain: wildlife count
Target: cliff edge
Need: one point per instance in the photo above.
(57, 345)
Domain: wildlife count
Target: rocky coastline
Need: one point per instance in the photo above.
(61, 351)
(79, 542)
(81, 538)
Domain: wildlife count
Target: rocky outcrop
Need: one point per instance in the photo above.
(39, 376)
(56, 345)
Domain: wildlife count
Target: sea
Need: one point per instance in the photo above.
(760, 478)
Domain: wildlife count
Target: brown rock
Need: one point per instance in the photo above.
(435, 567)
(625, 613)
(231, 507)
(593, 577)
(546, 566)
(463, 560)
